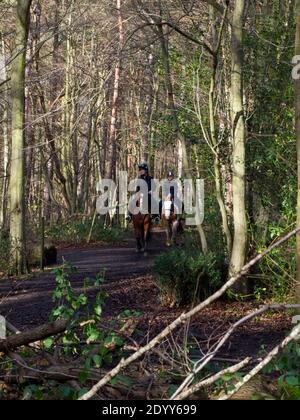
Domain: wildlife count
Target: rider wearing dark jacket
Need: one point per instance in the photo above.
(144, 175)
(143, 169)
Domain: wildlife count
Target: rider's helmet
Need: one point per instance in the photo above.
(143, 166)
(170, 174)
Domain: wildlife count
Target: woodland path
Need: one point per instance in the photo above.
(28, 302)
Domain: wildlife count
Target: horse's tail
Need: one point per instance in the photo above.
(149, 235)
(147, 229)
(180, 229)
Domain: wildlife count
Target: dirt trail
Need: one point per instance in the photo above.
(28, 302)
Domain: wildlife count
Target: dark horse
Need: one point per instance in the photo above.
(171, 221)
(142, 227)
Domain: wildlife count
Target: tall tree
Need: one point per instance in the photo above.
(297, 109)
(5, 121)
(238, 255)
(17, 209)
(211, 136)
(112, 140)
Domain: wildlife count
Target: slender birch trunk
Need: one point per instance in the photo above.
(5, 150)
(111, 144)
(148, 109)
(17, 189)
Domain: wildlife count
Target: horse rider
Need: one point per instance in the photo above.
(144, 175)
(170, 178)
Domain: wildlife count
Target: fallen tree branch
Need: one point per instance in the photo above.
(198, 366)
(141, 382)
(183, 318)
(294, 335)
(31, 336)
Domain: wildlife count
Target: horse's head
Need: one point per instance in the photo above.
(140, 199)
(168, 209)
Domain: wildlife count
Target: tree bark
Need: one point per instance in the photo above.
(111, 144)
(147, 118)
(238, 255)
(182, 149)
(5, 150)
(18, 124)
(213, 132)
(297, 110)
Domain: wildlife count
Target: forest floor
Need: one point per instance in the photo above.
(130, 286)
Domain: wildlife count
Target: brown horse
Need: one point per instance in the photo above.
(142, 227)
(171, 222)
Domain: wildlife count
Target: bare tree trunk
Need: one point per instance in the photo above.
(49, 166)
(182, 156)
(148, 110)
(214, 137)
(87, 164)
(18, 123)
(180, 160)
(69, 142)
(297, 109)
(238, 255)
(111, 144)
(86, 169)
(5, 150)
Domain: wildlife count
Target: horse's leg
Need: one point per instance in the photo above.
(137, 231)
(147, 226)
(169, 232)
(142, 243)
(139, 245)
(175, 225)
